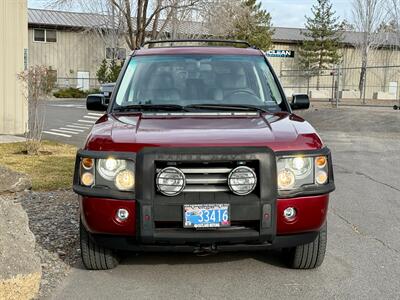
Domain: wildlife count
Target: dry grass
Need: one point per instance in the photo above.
(52, 169)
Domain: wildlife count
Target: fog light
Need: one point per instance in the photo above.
(289, 213)
(122, 214)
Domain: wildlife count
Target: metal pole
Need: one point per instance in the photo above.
(114, 52)
(337, 85)
(365, 87)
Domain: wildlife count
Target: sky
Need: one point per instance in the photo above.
(285, 13)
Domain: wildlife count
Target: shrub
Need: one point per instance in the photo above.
(74, 93)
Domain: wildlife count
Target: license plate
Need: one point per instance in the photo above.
(206, 216)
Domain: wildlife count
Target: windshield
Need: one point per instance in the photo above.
(199, 79)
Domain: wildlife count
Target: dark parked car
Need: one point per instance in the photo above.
(199, 151)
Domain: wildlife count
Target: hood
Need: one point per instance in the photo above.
(132, 132)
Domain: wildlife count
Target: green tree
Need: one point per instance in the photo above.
(254, 25)
(114, 70)
(320, 50)
(102, 72)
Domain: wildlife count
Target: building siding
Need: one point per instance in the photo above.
(14, 39)
(74, 51)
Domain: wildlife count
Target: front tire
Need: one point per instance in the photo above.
(95, 257)
(308, 256)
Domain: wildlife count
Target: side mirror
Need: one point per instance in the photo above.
(300, 101)
(96, 102)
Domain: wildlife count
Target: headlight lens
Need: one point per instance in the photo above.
(125, 180)
(301, 166)
(286, 179)
(170, 181)
(242, 180)
(109, 168)
(298, 171)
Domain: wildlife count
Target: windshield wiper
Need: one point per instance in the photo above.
(141, 107)
(237, 107)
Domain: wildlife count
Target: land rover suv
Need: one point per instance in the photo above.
(199, 151)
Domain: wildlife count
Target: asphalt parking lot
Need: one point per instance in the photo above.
(363, 255)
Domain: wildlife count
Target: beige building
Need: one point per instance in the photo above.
(66, 42)
(13, 60)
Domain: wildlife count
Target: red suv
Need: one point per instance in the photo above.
(199, 151)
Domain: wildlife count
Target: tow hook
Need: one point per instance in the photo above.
(205, 250)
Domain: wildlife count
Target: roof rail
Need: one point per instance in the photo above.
(238, 42)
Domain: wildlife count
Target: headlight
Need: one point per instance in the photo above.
(301, 166)
(170, 181)
(125, 180)
(242, 180)
(108, 168)
(298, 171)
(110, 173)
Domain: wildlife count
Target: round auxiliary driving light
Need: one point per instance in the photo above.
(242, 180)
(122, 214)
(290, 213)
(170, 181)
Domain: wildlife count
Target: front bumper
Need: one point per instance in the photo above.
(98, 216)
(156, 221)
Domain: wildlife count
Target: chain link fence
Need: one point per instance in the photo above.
(79, 83)
(341, 86)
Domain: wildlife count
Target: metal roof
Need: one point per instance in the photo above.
(42, 17)
(294, 35)
(54, 18)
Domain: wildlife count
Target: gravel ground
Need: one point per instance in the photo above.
(54, 220)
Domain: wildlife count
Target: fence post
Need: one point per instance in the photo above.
(338, 75)
(365, 87)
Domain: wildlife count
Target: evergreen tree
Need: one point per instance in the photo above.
(114, 70)
(254, 25)
(102, 72)
(320, 50)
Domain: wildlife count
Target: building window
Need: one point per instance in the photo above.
(39, 35)
(117, 53)
(51, 36)
(45, 35)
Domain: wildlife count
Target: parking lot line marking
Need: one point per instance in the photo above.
(90, 117)
(86, 121)
(55, 133)
(82, 125)
(72, 129)
(64, 131)
(79, 127)
(95, 114)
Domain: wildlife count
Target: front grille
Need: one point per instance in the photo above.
(207, 176)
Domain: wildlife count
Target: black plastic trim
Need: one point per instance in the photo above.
(146, 194)
(100, 191)
(130, 244)
(310, 190)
